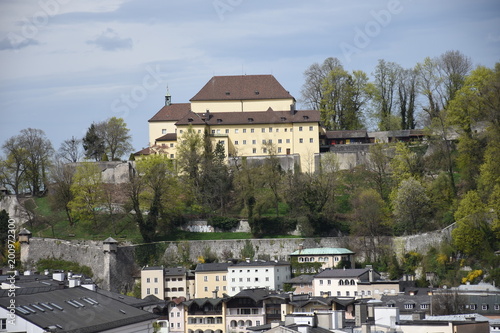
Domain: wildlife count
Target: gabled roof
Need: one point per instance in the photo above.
(255, 117)
(77, 305)
(322, 251)
(202, 301)
(241, 87)
(172, 112)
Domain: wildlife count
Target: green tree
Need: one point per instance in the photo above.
(369, 220)
(344, 98)
(4, 229)
(215, 178)
(312, 90)
(411, 206)
(60, 194)
(93, 143)
(405, 164)
(13, 167)
(189, 157)
(155, 189)
(28, 159)
(464, 111)
(473, 235)
(407, 95)
(87, 191)
(116, 137)
(378, 165)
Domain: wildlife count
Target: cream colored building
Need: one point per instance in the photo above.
(210, 278)
(252, 115)
(152, 281)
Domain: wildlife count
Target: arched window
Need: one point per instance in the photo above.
(248, 323)
(233, 323)
(241, 323)
(341, 283)
(353, 283)
(346, 282)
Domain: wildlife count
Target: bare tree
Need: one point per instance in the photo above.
(386, 79)
(454, 67)
(60, 194)
(70, 150)
(315, 75)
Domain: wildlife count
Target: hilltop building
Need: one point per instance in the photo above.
(251, 115)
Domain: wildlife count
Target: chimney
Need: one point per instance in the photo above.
(214, 293)
(292, 108)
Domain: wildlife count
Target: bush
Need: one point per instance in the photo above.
(223, 223)
(278, 225)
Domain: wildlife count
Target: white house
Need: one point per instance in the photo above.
(257, 274)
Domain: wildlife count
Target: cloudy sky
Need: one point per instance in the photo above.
(67, 63)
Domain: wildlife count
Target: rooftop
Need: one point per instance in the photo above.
(342, 273)
(242, 87)
(322, 251)
(212, 267)
(75, 310)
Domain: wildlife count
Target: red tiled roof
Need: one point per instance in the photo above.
(238, 118)
(151, 150)
(172, 112)
(168, 137)
(241, 87)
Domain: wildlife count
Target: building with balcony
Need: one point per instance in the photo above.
(205, 315)
(245, 309)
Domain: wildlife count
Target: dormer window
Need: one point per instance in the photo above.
(228, 93)
(190, 120)
(283, 118)
(250, 120)
(256, 92)
(219, 121)
(306, 117)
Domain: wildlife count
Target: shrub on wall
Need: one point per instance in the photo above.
(223, 223)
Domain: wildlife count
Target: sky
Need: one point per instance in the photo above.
(65, 64)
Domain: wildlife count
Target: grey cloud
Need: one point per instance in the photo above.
(15, 42)
(110, 41)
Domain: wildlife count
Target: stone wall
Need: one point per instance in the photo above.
(117, 271)
(12, 206)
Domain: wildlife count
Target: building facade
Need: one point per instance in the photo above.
(251, 115)
(257, 274)
(210, 278)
